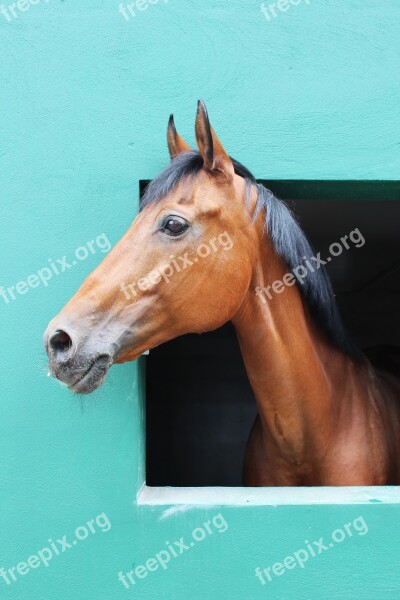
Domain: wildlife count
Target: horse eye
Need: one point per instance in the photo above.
(175, 226)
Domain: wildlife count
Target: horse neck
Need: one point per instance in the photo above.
(291, 368)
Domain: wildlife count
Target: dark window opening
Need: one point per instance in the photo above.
(199, 404)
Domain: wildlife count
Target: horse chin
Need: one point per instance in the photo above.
(93, 378)
(129, 357)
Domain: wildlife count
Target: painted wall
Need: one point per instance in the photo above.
(85, 96)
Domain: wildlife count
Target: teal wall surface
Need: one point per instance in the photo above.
(312, 93)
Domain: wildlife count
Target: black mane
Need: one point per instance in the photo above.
(185, 165)
(288, 239)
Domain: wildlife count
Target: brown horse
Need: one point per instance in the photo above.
(208, 246)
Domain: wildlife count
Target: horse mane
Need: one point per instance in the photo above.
(286, 235)
(185, 165)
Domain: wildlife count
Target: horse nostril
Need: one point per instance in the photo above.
(60, 341)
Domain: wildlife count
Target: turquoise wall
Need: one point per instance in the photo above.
(85, 98)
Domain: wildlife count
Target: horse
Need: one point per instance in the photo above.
(207, 245)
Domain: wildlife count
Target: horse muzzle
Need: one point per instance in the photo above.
(81, 371)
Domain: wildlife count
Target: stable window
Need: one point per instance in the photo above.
(199, 404)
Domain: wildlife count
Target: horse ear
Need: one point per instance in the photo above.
(176, 144)
(213, 153)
